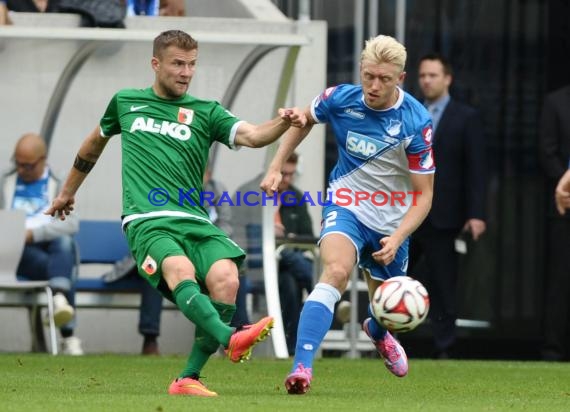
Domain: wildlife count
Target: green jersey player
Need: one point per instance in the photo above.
(166, 135)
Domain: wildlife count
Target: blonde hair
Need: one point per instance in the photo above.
(384, 49)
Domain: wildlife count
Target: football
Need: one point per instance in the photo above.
(400, 303)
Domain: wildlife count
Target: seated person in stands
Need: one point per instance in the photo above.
(27, 6)
(150, 8)
(175, 8)
(4, 19)
(291, 220)
(220, 212)
(151, 304)
(49, 253)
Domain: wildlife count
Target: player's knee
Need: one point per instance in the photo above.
(228, 281)
(176, 269)
(337, 275)
(222, 281)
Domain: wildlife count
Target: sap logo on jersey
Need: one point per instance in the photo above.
(362, 146)
(170, 129)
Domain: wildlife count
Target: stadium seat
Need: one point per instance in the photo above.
(102, 242)
(23, 293)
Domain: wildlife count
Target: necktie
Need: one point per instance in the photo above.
(434, 112)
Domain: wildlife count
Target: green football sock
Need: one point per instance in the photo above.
(225, 311)
(199, 309)
(205, 345)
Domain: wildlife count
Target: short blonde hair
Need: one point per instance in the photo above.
(176, 38)
(384, 49)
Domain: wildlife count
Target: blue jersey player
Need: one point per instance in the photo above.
(381, 191)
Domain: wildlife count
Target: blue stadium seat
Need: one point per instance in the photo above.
(101, 241)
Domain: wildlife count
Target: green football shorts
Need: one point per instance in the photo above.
(152, 240)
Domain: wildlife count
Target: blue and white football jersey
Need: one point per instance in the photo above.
(377, 151)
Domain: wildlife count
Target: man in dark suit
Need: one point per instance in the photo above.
(458, 200)
(554, 149)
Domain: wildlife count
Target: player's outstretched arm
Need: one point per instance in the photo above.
(87, 156)
(261, 135)
(562, 193)
(290, 141)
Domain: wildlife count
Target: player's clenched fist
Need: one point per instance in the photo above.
(294, 116)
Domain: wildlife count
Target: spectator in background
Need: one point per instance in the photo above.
(291, 221)
(49, 253)
(151, 303)
(554, 149)
(562, 193)
(4, 19)
(458, 200)
(28, 6)
(33, 6)
(91, 12)
(220, 212)
(149, 316)
(174, 8)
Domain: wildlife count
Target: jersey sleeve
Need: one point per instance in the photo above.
(419, 151)
(109, 123)
(321, 105)
(223, 125)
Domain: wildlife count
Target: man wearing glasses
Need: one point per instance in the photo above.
(49, 252)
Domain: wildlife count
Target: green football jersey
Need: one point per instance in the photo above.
(165, 147)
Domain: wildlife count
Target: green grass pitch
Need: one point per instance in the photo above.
(38, 382)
